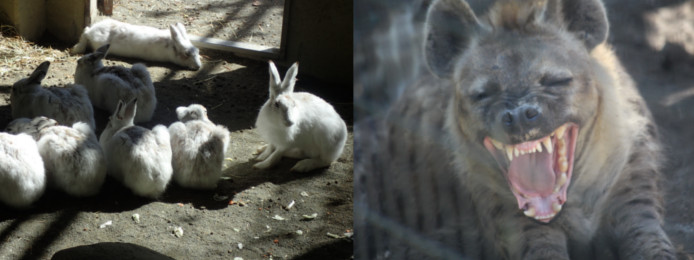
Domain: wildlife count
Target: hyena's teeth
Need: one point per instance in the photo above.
(530, 212)
(545, 217)
(539, 147)
(497, 144)
(556, 207)
(562, 179)
(509, 153)
(563, 165)
(560, 131)
(516, 152)
(547, 142)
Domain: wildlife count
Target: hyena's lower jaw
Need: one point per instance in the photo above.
(538, 171)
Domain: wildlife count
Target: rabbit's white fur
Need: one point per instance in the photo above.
(22, 177)
(108, 85)
(198, 147)
(66, 105)
(298, 125)
(136, 156)
(72, 156)
(142, 42)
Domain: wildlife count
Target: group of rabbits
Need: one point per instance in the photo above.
(52, 142)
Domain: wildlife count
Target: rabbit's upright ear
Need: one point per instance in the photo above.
(275, 80)
(101, 52)
(118, 113)
(130, 109)
(177, 35)
(39, 73)
(290, 78)
(182, 31)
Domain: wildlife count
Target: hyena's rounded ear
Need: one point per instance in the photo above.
(451, 26)
(587, 19)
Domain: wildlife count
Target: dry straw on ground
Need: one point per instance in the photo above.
(18, 55)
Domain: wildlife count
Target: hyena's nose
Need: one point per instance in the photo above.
(521, 117)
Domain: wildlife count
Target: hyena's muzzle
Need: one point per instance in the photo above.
(538, 171)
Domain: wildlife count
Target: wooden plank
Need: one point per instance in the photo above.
(248, 50)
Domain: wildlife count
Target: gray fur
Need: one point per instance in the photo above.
(108, 85)
(67, 105)
(451, 29)
(428, 189)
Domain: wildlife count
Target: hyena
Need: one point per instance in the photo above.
(528, 140)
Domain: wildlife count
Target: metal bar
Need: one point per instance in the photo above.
(248, 50)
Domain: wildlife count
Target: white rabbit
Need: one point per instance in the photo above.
(298, 125)
(22, 177)
(66, 105)
(72, 156)
(108, 85)
(136, 156)
(142, 42)
(198, 147)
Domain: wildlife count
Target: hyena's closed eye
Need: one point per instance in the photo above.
(556, 79)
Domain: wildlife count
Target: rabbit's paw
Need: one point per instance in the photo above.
(308, 165)
(264, 152)
(262, 165)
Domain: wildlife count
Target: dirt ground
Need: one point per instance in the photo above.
(653, 39)
(251, 21)
(241, 218)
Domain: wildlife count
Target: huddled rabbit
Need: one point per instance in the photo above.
(198, 147)
(108, 85)
(22, 177)
(298, 125)
(138, 157)
(66, 105)
(72, 156)
(142, 42)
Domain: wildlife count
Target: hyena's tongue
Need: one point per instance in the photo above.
(538, 171)
(532, 174)
(533, 182)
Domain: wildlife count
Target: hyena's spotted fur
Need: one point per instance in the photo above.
(426, 186)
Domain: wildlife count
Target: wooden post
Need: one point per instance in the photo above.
(106, 7)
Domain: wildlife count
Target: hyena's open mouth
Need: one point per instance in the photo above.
(538, 171)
